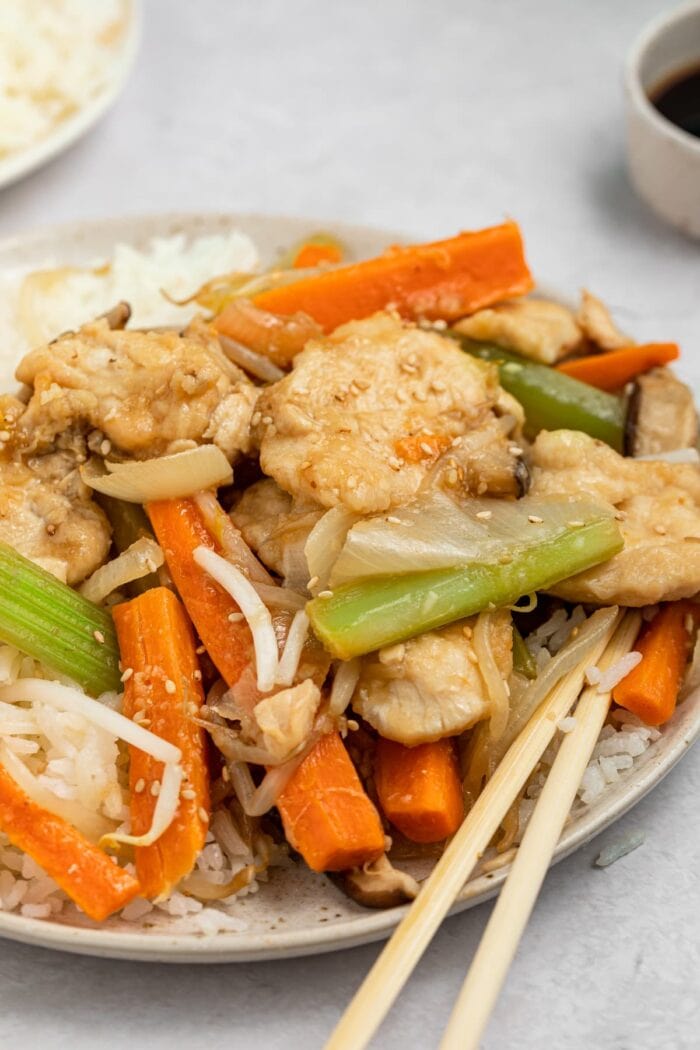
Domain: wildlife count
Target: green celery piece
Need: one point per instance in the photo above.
(48, 620)
(552, 400)
(368, 614)
(523, 660)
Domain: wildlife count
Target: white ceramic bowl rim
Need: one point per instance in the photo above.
(633, 81)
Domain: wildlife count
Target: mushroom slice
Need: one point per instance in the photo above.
(661, 415)
(377, 884)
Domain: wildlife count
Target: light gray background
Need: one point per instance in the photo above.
(428, 117)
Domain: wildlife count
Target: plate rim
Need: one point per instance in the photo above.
(16, 165)
(357, 929)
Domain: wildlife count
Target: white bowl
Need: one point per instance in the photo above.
(664, 160)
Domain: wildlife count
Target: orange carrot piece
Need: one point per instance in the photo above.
(611, 370)
(180, 529)
(327, 816)
(156, 641)
(443, 280)
(416, 448)
(650, 690)
(87, 874)
(420, 789)
(313, 254)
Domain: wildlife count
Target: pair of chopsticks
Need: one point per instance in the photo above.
(490, 965)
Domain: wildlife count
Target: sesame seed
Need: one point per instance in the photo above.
(138, 715)
(4, 435)
(620, 515)
(351, 482)
(325, 594)
(420, 395)
(689, 622)
(438, 386)
(312, 582)
(255, 418)
(484, 515)
(660, 529)
(203, 815)
(225, 775)
(467, 631)
(408, 369)
(99, 637)
(362, 384)
(105, 447)
(412, 359)
(472, 657)
(267, 420)
(456, 442)
(199, 650)
(127, 674)
(425, 447)
(306, 464)
(139, 785)
(352, 724)
(155, 788)
(235, 617)
(393, 520)
(197, 675)
(575, 524)
(170, 686)
(72, 870)
(188, 793)
(534, 519)
(515, 450)
(452, 477)
(394, 463)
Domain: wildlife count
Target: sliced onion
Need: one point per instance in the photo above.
(198, 885)
(141, 558)
(291, 654)
(91, 824)
(346, 678)
(435, 532)
(163, 813)
(166, 477)
(256, 801)
(256, 364)
(67, 698)
(325, 542)
(676, 455)
(495, 686)
(229, 538)
(256, 613)
(280, 597)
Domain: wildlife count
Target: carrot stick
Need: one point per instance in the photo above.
(419, 788)
(89, 876)
(316, 801)
(157, 643)
(650, 690)
(326, 814)
(443, 280)
(180, 529)
(314, 253)
(610, 371)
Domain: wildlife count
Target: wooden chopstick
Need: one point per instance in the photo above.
(376, 994)
(517, 899)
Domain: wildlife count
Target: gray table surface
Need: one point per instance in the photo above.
(427, 117)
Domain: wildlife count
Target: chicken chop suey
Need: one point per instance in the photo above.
(430, 479)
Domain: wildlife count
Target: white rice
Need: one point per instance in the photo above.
(55, 57)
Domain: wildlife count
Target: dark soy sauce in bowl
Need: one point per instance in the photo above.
(677, 98)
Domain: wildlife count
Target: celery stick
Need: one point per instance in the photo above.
(51, 622)
(371, 613)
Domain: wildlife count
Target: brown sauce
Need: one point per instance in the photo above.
(677, 98)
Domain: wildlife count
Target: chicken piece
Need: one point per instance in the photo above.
(657, 504)
(366, 412)
(285, 720)
(430, 686)
(149, 393)
(536, 328)
(598, 326)
(661, 415)
(274, 525)
(46, 514)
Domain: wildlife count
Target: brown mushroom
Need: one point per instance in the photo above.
(661, 415)
(118, 317)
(377, 884)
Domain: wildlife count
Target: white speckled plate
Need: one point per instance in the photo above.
(16, 165)
(296, 912)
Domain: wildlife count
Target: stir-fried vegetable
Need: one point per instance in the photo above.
(552, 400)
(523, 660)
(166, 477)
(313, 251)
(419, 788)
(371, 613)
(50, 621)
(326, 814)
(84, 872)
(612, 370)
(651, 689)
(443, 280)
(163, 687)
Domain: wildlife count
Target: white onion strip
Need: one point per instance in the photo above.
(346, 678)
(251, 605)
(167, 477)
(141, 558)
(163, 813)
(68, 699)
(225, 532)
(495, 686)
(291, 654)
